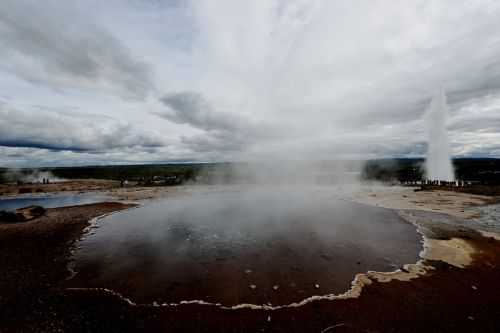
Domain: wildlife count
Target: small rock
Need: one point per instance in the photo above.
(252, 286)
(31, 212)
(276, 287)
(316, 286)
(248, 271)
(470, 318)
(474, 287)
(268, 318)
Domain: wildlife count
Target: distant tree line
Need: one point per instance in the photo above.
(177, 173)
(482, 170)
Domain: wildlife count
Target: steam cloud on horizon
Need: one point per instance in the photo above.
(250, 80)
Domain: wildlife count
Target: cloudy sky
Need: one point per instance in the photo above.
(137, 81)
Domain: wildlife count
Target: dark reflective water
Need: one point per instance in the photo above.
(51, 200)
(257, 246)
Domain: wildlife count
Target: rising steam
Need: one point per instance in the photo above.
(29, 176)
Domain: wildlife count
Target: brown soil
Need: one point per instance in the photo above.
(34, 256)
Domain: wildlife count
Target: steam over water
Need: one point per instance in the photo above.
(438, 162)
(228, 245)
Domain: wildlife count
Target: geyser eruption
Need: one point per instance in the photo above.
(438, 162)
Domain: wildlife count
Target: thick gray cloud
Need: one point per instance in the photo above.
(69, 131)
(193, 109)
(223, 132)
(48, 42)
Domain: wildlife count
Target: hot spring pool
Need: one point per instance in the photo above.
(232, 246)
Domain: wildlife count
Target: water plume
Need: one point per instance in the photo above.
(438, 163)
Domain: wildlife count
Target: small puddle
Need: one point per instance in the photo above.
(260, 246)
